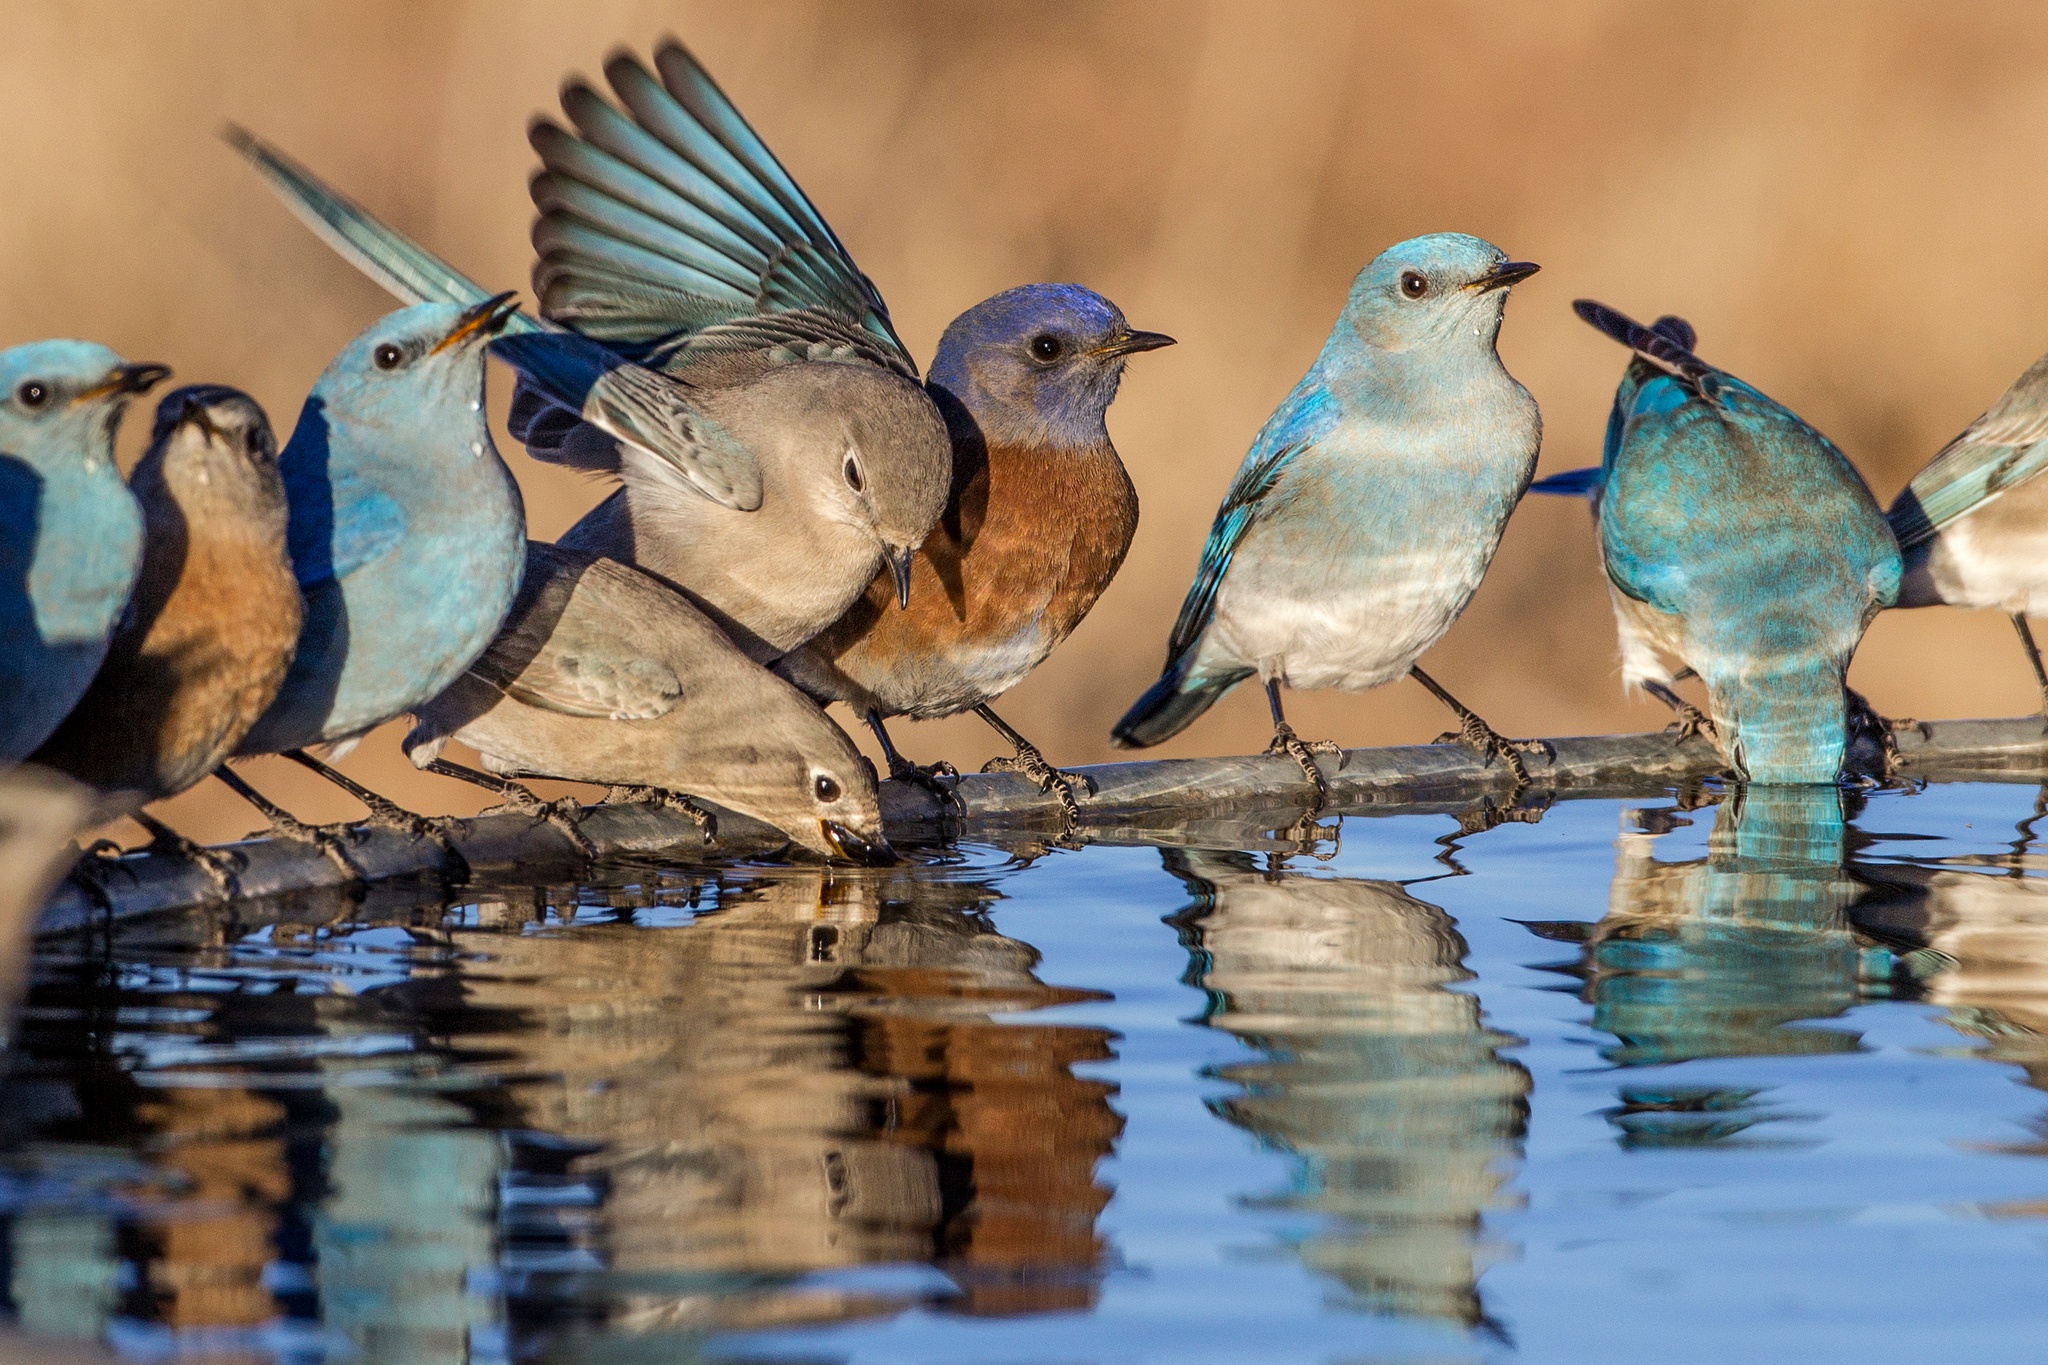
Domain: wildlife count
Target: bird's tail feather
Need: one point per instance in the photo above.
(410, 271)
(1573, 483)
(1784, 726)
(1170, 705)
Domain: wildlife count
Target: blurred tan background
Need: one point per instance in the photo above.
(1848, 200)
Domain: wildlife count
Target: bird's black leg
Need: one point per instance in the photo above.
(1303, 752)
(285, 825)
(1031, 763)
(2026, 632)
(220, 867)
(704, 820)
(1691, 720)
(519, 798)
(1477, 735)
(389, 814)
(902, 769)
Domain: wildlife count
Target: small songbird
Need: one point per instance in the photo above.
(1742, 542)
(1038, 521)
(709, 303)
(1973, 525)
(70, 532)
(407, 534)
(1369, 507)
(215, 616)
(603, 674)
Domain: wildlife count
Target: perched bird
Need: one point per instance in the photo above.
(215, 617)
(1371, 503)
(407, 535)
(602, 674)
(70, 532)
(1973, 525)
(1742, 543)
(1037, 523)
(702, 286)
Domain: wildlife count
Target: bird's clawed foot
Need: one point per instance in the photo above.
(1482, 739)
(1031, 763)
(1303, 752)
(1692, 721)
(221, 867)
(704, 820)
(519, 799)
(937, 778)
(1307, 834)
(1491, 814)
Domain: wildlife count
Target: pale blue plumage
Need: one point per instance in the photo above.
(70, 533)
(1742, 542)
(406, 531)
(1370, 504)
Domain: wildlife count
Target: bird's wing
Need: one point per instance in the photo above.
(636, 406)
(576, 663)
(1572, 483)
(366, 524)
(1308, 412)
(672, 218)
(2001, 449)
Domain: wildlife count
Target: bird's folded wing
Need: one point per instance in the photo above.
(365, 524)
(2004, 448)
(1307, 413)
(672, 217)
(578, 661)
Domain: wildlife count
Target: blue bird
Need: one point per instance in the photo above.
(1040, 516)
(1742, 542)
(407, 534)
(1973, 525)
(1369, 507)
(70, 532)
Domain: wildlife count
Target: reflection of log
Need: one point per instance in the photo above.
(1127, 794)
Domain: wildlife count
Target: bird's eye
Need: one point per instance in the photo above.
(854, 478)
(388, 357)
(1045, 348)
(32, 394)
(1413, 284)
(826, 788)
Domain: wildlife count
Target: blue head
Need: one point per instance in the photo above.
(60, 401)
(1039, 365)
(1444, 290)
(412, 370)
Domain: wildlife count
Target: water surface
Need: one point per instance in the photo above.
(1759, 1079)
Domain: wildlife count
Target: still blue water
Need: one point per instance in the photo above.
(1744, 1082)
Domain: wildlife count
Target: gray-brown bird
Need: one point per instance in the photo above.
(603, 674)
(215, 617)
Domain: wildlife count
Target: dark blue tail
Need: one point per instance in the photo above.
(1169, 706)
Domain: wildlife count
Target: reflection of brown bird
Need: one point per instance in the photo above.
(1388, 1088)
(808, 1077)
(39, 814)
(1038, 519)
(215, 616)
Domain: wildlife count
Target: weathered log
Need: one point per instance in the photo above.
(1158, 801)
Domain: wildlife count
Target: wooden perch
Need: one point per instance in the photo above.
(1160, 801)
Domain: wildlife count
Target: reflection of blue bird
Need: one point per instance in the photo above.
(1040, 516)
(1740, 541)
(1973, 525)
(70, 533)
(407, 533)
(1371, 503)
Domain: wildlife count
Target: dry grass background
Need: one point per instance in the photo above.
(1846, 199)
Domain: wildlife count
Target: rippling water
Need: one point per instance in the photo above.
(1743, 1081)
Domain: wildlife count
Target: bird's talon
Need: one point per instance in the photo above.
(1285, 741)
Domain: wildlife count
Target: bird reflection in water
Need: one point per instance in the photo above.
(1732, 955)
(1384, 1086)
(807, 1078)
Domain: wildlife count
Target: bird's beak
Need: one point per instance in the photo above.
(193, 413)
(487, 319)
(1503, 276)
(900, 561)
(126, 381)
(855, 849)
(1130, 343)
